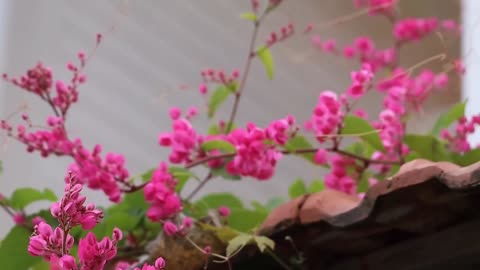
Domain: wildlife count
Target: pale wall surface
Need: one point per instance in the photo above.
(155, 47)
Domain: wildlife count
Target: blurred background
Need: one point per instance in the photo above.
(151, 57)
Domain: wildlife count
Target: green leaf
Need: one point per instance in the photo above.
(41, 265)
(297, 189)
(274, 203)
(300, 142)
(147, 176)
(217, 98)
(214, 130)
(249, 16)
(215, 200)
(221, 172)
(225, 234)
(264, 242)
(13, 250)
(182, 175)
(267, 59)
(121, 220)
(133, 204)
(245, 220)
(445, 120)
(269, 206)
(354, 125)
(467, 158)
(238, 243)
(316, 186)
(221, 145)
(259, 207)
(363, 184)
(361, 148)
(427, 147)
(23, 197)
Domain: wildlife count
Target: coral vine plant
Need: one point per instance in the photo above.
(152, 225)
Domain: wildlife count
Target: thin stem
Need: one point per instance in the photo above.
(9, 212)
(298, 151)
(133, 188)
(200, 185)
(351, 16)
(246, 71)
(48, 99)
(278, 260)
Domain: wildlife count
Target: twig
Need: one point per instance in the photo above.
(298, 151)
(200, 185)
(246, 71)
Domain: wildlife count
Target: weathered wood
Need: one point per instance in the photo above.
(454, 248)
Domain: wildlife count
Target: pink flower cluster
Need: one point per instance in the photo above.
(183, 141)
(285, 32)
(413, 29)
(211, 75)
(363, 49)
(160, 193)
(71, 211)
(254, 157)
(327, 115)
(94, 254)
(170, 228)
(100, 173)
(39, 81)
(158, 265)
(377, 6)
(49, 243)
(458, 141)
(338, 178)
(55, 244)
(90, 167)
(360, 81)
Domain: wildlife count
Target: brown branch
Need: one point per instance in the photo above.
(133, 188)
(246, 71)
(298, 151)
(197, 189)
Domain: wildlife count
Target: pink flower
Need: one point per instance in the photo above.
(175, 113)
(348, 52)
(67, 262)
(203, 89)
(19, 218)
(93, 254)
(170, 228)
(329, 46)
(37, 220)
(321, 156)
(441, 81)
(316, 41)
(459, 67)
(361, 113)
(413, 29)
(187, 223)
(326, 116)
(364, 45)
(191, 112)
(160, 193)
(224, 211)
(376, 6)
